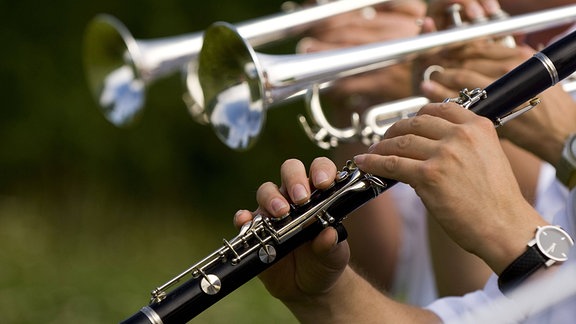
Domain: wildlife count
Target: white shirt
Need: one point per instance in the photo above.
(491, 305)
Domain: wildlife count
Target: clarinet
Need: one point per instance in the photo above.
(263, 241)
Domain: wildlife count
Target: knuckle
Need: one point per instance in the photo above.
(404, 142)
(431, 173)
(417, 121)
(390, 164)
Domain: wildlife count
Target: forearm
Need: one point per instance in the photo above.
(353, 300)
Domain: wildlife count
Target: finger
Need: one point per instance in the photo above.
(428, 26)
(242, 217)
(390, 167)
(437, 10)
(362, 31)
(436, 92)
(295, 181)
(451, 112)
(271, 200)
(330, 253)
(409, 146)
(322, 172)
(491, 7)
(413, 8)
(423, 125)
(325, 241)
(458, 79)
(487, 49)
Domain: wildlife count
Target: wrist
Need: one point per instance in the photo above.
(550, 245)
(508, 241)
(329, 305)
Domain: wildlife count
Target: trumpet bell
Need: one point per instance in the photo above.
(230, 77)
(110, 53)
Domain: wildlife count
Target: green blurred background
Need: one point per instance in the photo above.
(93, 217)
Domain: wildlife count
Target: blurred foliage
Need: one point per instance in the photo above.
(85, 205)
(52, 133)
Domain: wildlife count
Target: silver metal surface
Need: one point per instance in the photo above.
(211, 284)
(152, 315)
(119, 67)
(549, 66)
(239, 85)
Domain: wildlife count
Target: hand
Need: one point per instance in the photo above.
(454, 161)
(312, 269)
(479, 65)
(471, 10)
(390, 21)
(315, 281)
(475, 65)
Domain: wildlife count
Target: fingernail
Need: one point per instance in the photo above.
(238, 213)
(359, 159)
(278, 205)
(320, 177)
(371, 148)
(299, 193)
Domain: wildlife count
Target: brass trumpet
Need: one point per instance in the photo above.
(119, 67)
(239, 84)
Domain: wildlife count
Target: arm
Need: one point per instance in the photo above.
(354, 300)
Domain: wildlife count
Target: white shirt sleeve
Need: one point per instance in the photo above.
(490, 305)
(551, 194)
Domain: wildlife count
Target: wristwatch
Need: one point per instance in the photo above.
(566, 169)
(551, 244)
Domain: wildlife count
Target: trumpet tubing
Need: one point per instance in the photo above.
(119, 67)
(239, 84)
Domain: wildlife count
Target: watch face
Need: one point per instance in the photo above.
(554, 242)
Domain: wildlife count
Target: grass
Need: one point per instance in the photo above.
(87, 259)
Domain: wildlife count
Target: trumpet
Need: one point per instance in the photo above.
(119, 67)
(239, 88)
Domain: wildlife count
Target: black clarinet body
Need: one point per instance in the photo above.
(541, 71)
(264, 241)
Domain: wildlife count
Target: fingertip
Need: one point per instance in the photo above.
(322, 172)
(279, 207)
(360, 159)
(321, 179)
(305, 45)
(326, 241)
(427, 87)
(241, 217)
(428, 25)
